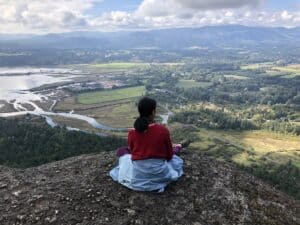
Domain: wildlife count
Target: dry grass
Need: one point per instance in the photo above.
(258, 146)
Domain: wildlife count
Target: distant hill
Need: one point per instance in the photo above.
(179, 38)
(79, 191)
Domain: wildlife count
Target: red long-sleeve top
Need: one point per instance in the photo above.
(155, 142)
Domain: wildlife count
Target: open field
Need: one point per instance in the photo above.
(110, 69)
(70, 103)
(192, 84)
(120, 65)
(236, 77)
(257, 66)
(289, 71)
(121, 115)
(110, 95)
(292, 68)
(248, 147)
(13, 54)
(274, 73)
(118, 115)
(118, 68)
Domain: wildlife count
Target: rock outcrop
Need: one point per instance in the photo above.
(79, 191)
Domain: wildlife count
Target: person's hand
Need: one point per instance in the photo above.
(177, 145)
(177, 148)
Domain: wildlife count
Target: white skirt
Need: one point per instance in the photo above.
(148, 174)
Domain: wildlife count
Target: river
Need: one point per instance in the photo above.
(15, 85)
(15, 89)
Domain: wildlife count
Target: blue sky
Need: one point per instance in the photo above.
(48, 16)
(131, 5)
(283, 4)
(114, 5)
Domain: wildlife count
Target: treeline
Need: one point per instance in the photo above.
(251, 91)
(215, 119)
(284, 127)
(26, 144)
(160, 77)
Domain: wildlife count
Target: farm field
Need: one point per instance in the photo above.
(257, 66)
(112, 68)
(288, 71)
(292, 68)
(186, 84)
(110, 95)
(118, 115)
(250, 147)
(236, 77)
(119, 65)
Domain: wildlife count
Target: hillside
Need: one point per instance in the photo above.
(78, 191)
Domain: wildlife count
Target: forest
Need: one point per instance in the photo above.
(31, 142)
(213, 119)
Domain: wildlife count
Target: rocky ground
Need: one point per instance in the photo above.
(79, 191)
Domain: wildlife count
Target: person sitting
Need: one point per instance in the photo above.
(149, 163)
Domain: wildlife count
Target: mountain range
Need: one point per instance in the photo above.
(178, 38)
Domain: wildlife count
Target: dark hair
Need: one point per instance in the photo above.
(146, 106)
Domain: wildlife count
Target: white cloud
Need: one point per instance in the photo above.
(180, 13)
(123, 20)
(217, 4)
(36, 16)
(285, 15)
(169, 7)
(47, 15)
(156, 8)
(113, 20)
